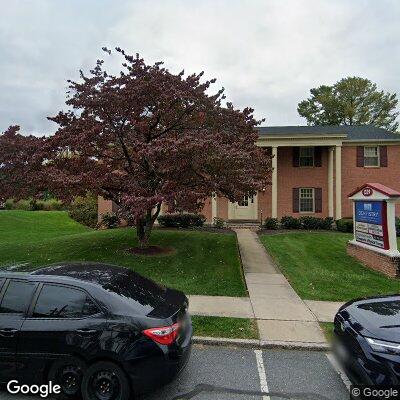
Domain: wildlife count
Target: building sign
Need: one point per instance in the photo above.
(370, 223)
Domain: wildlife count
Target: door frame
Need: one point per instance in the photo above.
(232, 209)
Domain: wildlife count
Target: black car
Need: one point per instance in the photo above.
(98, 330)
(368, 340)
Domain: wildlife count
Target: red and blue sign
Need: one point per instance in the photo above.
(370, 223)
(369, 212)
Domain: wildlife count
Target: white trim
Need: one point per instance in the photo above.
(330, 182)
(274, 205)
(214, 207)
(378, 156)
(338, 181)
(390, 253)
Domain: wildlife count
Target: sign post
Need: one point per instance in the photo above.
(374, 241)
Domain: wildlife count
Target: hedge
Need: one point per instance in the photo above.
(181, 220)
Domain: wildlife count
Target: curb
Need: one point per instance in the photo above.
(260, 344)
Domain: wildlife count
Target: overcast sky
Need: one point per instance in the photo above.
(266, 53)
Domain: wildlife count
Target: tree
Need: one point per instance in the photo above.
(351, 101)
(20, 164)
(147, 136)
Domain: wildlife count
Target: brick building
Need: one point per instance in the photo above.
(314, 170)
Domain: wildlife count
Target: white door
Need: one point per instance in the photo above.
(245, 208)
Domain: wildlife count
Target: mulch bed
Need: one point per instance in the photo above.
(151, 251)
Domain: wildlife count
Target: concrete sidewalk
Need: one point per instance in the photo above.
(241, 307)
(280, 313)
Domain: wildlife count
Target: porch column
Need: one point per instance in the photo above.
(214, 207)
(338, 180)
(330, 182)
(274, 182)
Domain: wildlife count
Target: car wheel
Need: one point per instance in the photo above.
(68, 373)
(105, 381)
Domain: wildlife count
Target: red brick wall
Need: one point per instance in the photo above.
(353, 176)
(390, 266)
(290, 177)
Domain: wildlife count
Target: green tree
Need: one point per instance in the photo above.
(351, 101)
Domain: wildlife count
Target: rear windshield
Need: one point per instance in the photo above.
(137, 292)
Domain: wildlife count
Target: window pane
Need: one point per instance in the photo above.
(306, 156)
(17, 297)
(306, 200)
(371, 156)
(62, 302)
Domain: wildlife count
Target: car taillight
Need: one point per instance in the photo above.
(165, 335)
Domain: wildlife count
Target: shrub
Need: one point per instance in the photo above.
(53, 205)
(344, 225)
(23, 204)
(271, 223)
(9, 204)
(110, 220)
(398, 226)
(218, 222)
(308, 222)
(326, 223)
(289, 222)
(181, 220)
(34, 205)
(84, 210)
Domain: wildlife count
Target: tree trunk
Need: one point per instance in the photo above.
(145, 225)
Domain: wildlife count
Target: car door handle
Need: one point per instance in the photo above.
(8, 332)
(86, 332)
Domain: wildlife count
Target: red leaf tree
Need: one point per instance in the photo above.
(21, 165)
(147, 136)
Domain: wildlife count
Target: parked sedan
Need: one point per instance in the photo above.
(368, 336)
(95, 328)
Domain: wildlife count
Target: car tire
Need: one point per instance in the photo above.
(105, 380)
(68, 373)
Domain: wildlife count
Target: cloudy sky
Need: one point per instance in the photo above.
(266, 53)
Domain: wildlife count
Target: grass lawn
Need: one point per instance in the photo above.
(318, 268)
(237, 328)
(204, 263)
(327, 327)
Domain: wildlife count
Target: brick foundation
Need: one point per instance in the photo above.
(390, 266)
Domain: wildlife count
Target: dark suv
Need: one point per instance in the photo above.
(98, 329)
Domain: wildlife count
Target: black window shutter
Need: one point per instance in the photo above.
(295, 200)
(383, 156)
(318, 199)
(317, 156)
(296, 157)
(360, 156)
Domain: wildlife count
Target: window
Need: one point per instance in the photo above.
(246, 201)
(306, 200)
(17, 297)
(306, 156)
(63, 302)
(371, 156)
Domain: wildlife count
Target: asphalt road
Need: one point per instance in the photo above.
(222, 373)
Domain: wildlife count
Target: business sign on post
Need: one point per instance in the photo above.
(370, 223)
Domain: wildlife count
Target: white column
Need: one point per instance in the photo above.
(214, 207)
(330, 182)
(274, 182)
(338, 180)
(391, 225)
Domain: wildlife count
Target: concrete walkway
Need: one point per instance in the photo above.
(280, 313)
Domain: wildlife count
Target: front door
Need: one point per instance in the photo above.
(15, 299)
(244, 209)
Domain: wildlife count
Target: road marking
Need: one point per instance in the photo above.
(339, 370)
(261, 373)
